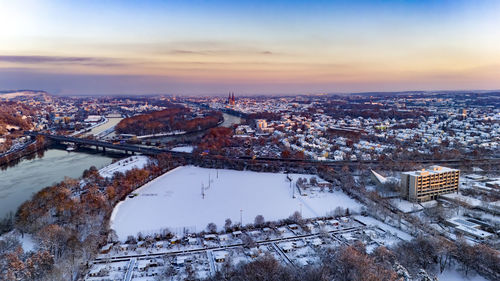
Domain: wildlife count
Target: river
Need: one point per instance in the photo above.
(20, 182)
(230, 120)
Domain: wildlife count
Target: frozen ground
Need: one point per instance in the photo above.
(175, 201)
(124, 165)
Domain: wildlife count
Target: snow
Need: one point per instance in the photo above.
(124, 165)
(473, 202)
(429, 204)
(27, 242)
(173, 133)
(387, 228)
(452, 274)
(174, 200)
(187, 149)
(405, 206)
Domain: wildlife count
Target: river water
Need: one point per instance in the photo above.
(20, 182)
(230, 120)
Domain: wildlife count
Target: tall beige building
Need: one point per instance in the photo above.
(427, 184)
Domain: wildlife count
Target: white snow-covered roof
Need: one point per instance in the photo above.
(219, 255)
(381, 179)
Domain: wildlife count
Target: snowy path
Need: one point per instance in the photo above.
(130, 269)
(210, 256)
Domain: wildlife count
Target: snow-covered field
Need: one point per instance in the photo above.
(175, 201)
(129, 163)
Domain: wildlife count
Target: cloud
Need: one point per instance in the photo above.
(101, 84)
(181, 52)
(90, 61)
(215, 52)
(204, 48)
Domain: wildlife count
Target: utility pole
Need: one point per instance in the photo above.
(290, 180)
(241, 217)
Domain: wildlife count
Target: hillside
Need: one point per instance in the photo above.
(16, 94)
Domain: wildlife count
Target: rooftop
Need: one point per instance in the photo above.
(432, 170)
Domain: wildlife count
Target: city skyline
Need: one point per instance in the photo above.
(271, 47)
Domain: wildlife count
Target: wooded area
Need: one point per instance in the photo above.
(168, 120)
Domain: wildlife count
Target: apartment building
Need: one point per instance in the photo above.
(427, 184)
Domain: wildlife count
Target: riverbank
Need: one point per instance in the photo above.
(229, 121)
(179, 133)
(31, 148)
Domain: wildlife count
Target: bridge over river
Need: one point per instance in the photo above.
(130, 148)
(127, 148)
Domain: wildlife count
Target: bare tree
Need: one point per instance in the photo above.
(259, 220)
(112, 236)
(212, 227)
(248, 241)
(313, 181)
(227, 224)
(339, 211)
(296, 217)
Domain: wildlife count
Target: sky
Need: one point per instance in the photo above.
(248, 47)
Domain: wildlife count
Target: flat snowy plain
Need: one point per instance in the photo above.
(174, 201)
